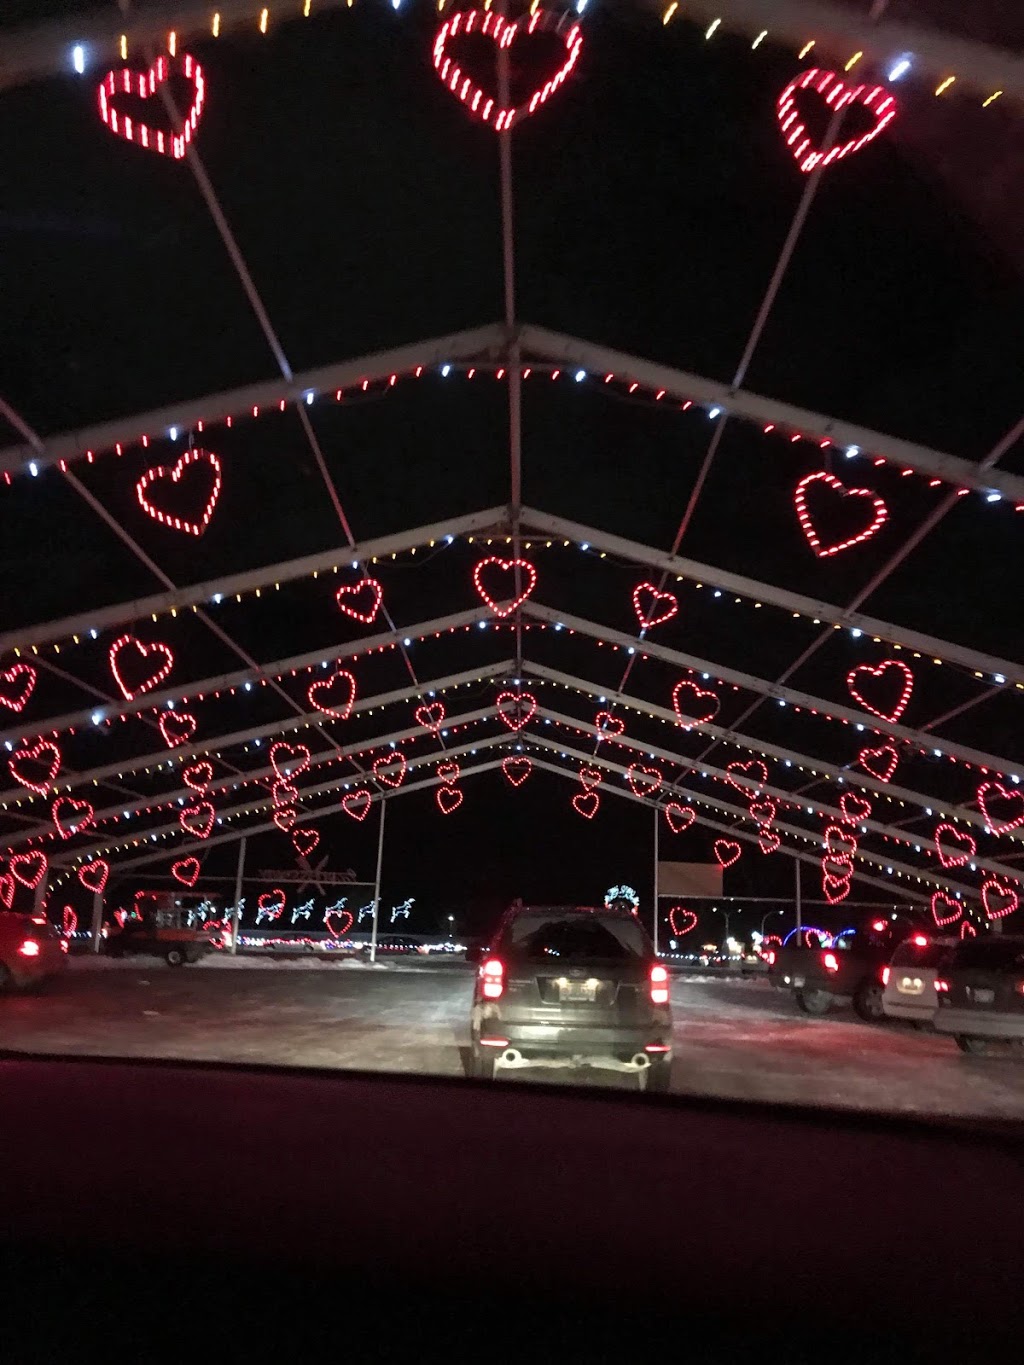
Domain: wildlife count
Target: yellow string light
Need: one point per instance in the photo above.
(711, 27)
(306, 8)
(264, 15)
(944, 85)
(172, 43)
(760, 38)
(804, 50)
(666, 18)
(853, 61)
(124, 47)
(994, 96)
(215, 26)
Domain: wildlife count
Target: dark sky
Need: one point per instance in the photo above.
(652, 197)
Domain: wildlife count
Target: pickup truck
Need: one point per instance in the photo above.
(849, 970)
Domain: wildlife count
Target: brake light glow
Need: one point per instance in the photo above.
(770, 957)
(885, 976)
(30, 948)
(941, 985)
(659, 985)
(658, 1047)
(493, 975)
(1019, 988)
(879, 925)
(919, 941)
(494, 1042)
(831, 962)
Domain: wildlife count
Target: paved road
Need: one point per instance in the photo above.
(738, 1039)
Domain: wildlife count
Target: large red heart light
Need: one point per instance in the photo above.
(431, 717)
(517, 770)
(988, 793)
(22, 679)
(197, 819)
(334, 696)
(126, 651)
(345, 919)
(143, 85)
(356, 804)
(880, 763)
(390, 769)
(304, 841)
(192, 459)
(707, 703)
(186, 870)
(42, 750)
(727, 851)
(29, 868)
(679, 817)
(492, 25)
(361, 601)
(177, 727)
(896, 707)
(652, 606)
(586, 803)
(683, 926)
(71, 816)
(643, 781)
(271, 903)
(940, 902)
(288, 760)
(754, 771)
(854, 808)
(448, 799)
(93, 876)
(875, 98)
(959, 836)
(993, 888)
(505, 566)
(516, 709)
(879, 517)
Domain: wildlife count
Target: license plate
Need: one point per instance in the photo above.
(578, 990)
(798, 981)
(910, 985)
(980, 996)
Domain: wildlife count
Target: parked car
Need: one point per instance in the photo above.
(981, 992)
(161, 929)
(574, 987)
(908, 982)
(849, 970)
(31, 951)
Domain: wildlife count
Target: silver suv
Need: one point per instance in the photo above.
(572, 987)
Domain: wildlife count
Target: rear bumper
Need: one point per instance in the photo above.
(920, 1010)
(551, 1038)
(27, 971)
(979, 1023)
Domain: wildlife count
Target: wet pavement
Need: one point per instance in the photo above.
(733, 1038)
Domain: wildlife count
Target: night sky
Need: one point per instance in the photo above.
(652, 196)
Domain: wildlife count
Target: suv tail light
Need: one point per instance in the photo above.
(659, 985)
(492, 974)
(30, 948)
(941, 985)
(885, 976)
(770, 957)
(1019, 988)
(831, 962)
(919, 941)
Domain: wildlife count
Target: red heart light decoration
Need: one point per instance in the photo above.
(875, 98)
(174, 474)
(334, 696)
(382, 768)
(656, 614)
(7, 889)
(431, 717)
(143, 85)
(679, 910)
(763, 811)
(948, 859)
(489, 24)
(854, 808)
(835, 836)
(68, 921)
(751, 769)
(284, 817)
(867, 671)
(643, 781)
(517, 770)
(880, 763)
(448, 772)
(197, 819)
(343, 928)
(22, 678)
(986, 792)
(607, 724)
(177, 727)
(198, 777)
(879, 518)
(93, 876)
(366, 599)
(120, 917)
(586, 803)
(141, 651)
(186, 870)
(940, 900)
(679, 817)
(688, 722)
(283, 792)
(993, 887)
(356, 804)
(35, 753)
(838, 866)
(506, 566)
(71, 816)
(727, 851)
(271, 903)
(448, 799)
(516, 709)
(304, 841)
(29, 868)
(769, 841)
(591, 778)
(288, 760)
(836, 889)
(967, 930)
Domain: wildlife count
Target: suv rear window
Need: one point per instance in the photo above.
(990, 954)
(910, 954)
(575, 938)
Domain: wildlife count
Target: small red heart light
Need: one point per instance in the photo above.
(29, 868)
(516, 709)
(517, 770)
(875, 98)
(143, 85)
(304, 841)
(681, 920)
(127, 652)
(586, 803)
(490, 24)
(161, 475)
(7, 890)
(754, 771)
(448, 799)
(334, 696)
(21, 678)
(643, 781)
(706, 704)
(93, 876)
(988, 794)
(71, 816)
(356, 804)
(390, 769)
(339, 922)
(763, 811)
(198, 777)
(69, 921)
(1005, 905)
(284, 793)
(896, 705)
(288, 760)
(879, 517)
(177, 727)
(591, 778)
(679, 817)
(727, 851)
(186, 870)
(652, 606)
(836, 889)
(361, 601)
(940, 902)
(961, 856)
(271, 903)
(880, 763)
(197, 819)
(448, 772)
(967, 930)
(608, 725)
(769, 841)
(839, 842)
(43, 752)
(494, 563)
(284, 817)
(431, 717)
(854, 808)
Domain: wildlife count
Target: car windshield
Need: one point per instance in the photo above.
(471, 502)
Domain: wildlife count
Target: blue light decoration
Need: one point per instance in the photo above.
(303, 911)
(824, 939)
(402, 911)
(625, 893)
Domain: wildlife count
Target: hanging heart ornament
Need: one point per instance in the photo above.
(875, 98)
(143, 85)
(503, 34)
(162, 477)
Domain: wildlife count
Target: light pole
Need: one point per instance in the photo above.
(767, 915)
(451, 926)
(715, 911)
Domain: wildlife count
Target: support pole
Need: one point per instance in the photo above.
(376, 883)
(237, 912)
(657, 812)
(39, 894)
(97, 921)
(797, 861)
